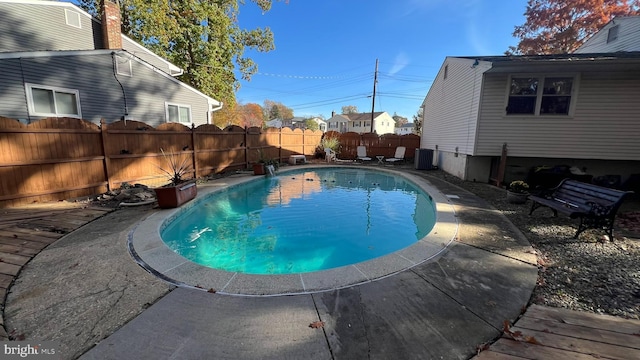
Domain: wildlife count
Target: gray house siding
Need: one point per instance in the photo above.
(141, 52)
(100, 94)
(628, 37)
(12, 97)
(34, 27)
(39, 26)
(604, 124)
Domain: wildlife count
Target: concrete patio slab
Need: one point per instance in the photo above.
(193, 324)
(86, 289)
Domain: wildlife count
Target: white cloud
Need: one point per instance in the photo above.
(399, 63)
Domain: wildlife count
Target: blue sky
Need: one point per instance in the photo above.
(326, 50)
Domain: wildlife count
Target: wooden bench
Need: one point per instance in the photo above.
(594, 205)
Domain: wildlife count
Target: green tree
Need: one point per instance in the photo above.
(417, 121)
(561, 26)
(201, 37)
(311, 124)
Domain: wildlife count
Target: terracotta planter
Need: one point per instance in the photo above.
(174, 196)
(258, 169)
(517, 198)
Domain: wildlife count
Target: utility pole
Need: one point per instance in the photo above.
(373, 101)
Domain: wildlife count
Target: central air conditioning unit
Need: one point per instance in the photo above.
(424, 159)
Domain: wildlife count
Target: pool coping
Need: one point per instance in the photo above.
(151, 253)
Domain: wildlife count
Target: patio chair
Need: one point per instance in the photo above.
(329, 155)
(399, 156)
(362, 153)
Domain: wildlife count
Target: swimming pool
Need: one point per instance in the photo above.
(151, 252)
(307, 220)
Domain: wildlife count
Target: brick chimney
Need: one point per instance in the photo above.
(111, 36)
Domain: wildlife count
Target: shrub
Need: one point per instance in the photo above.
(519, 186)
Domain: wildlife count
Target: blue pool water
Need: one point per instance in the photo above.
(302, 221)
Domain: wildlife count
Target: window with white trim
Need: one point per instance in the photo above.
(178, 113)
(53, 101)
(527, 97)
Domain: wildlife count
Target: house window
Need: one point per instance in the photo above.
(178, 113)
(527, 97)
(612, 35)
(556, 96)
(446, 71)
(123, 66)
(522, 96)
(53, 101)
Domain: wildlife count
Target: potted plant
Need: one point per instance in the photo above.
(260, 168)
(518, 192)
(179, 190)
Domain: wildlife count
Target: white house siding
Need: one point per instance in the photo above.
(628, 37)
(451, 107)
(384, 124)
(604, 124)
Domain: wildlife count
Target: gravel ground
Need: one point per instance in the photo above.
(590, 273)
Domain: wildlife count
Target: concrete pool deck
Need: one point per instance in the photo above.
(86, 289)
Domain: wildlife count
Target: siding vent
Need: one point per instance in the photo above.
(72, 18)
(612, 35)
(123, 66)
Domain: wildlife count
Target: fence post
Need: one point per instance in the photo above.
(194, 161)
(106, 162)
(501, 167)
(280, 144)
(245, 144)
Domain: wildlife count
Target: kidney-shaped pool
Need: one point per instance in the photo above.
(331, 226)
(306, 220)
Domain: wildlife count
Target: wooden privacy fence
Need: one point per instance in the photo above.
(384, 145)
(64, 158)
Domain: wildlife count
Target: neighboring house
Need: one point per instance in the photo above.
(405, 129)
(275, 123)
(619, 34)
(58, 61)
(322, 125)
(300, 123)
(360, 123)
(579, 110)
